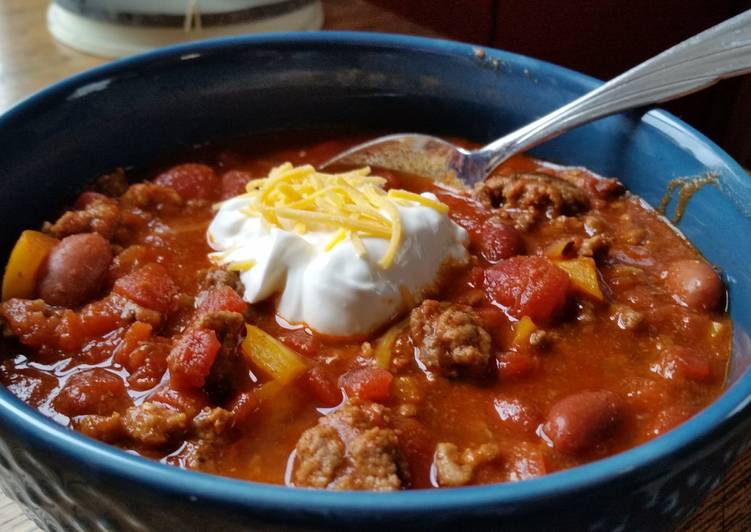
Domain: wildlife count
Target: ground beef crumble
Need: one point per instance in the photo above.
(154, 425)
(353, 448)
(538, 191)
(211, 433)
(228, 326)
(102, 215)
(218, 277)
(449, 338)
(456, 469)
(150, 196)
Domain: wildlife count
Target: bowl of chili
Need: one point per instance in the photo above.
(129, 113)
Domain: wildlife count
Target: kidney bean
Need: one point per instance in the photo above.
(191, 180)
(499, 241)
(75, 270)
(92, 391)
(580, 421)
(528, 286)
(233, 183)
(695, 284)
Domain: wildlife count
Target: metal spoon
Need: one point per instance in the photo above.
(720, 52)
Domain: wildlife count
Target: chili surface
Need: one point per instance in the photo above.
(583, 325)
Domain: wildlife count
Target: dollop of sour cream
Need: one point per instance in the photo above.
(336, 290)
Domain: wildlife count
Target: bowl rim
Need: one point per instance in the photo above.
(192, 484)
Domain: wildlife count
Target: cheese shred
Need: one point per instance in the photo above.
(241, 266)
(352, 204)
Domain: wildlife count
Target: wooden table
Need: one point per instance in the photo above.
(30, 60)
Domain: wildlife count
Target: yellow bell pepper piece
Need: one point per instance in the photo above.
(268, 391)
(524, 329)
(27, 257)
(385, 345)
(582, 272)
(271, 356)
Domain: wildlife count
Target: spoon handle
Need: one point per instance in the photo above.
(720, 52)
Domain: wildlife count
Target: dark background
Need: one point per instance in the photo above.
(602, 38)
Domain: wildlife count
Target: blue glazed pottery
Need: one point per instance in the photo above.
(132, 112)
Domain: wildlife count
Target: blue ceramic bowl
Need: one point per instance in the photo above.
(132, 111)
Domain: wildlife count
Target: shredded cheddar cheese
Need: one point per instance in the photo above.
(397, 193)
(352, 204)
(242, 266)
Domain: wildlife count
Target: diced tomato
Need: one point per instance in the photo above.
(516, 415)
(233, 183)
(135, 334)
(130, 259)
(243, 408)
(498, 241)
(514, 365)
(189, 401)
(474, 277)
(149, 362)
(528, 286)
(299, 340)
(219, 298)
(103, 316)
(92, 391)
(149, 286)
(190, 180)
(26, 320)
(71, 333)
(191, 358)
(372, 384)
(321, 387)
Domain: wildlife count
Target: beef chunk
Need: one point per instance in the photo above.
(157, 426)
(229, 363)
(225, 323)
(456, 469)
(131, 311)
(595, 246)
(103, 428)
(97, 213)
(353, 448)
(600, 187)
(113, 184)
(210, 434)
(530, 197)
(449, 338)
(218, 277)
(101, 215)
(151, 197)
(154, 425)
(32, 321)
